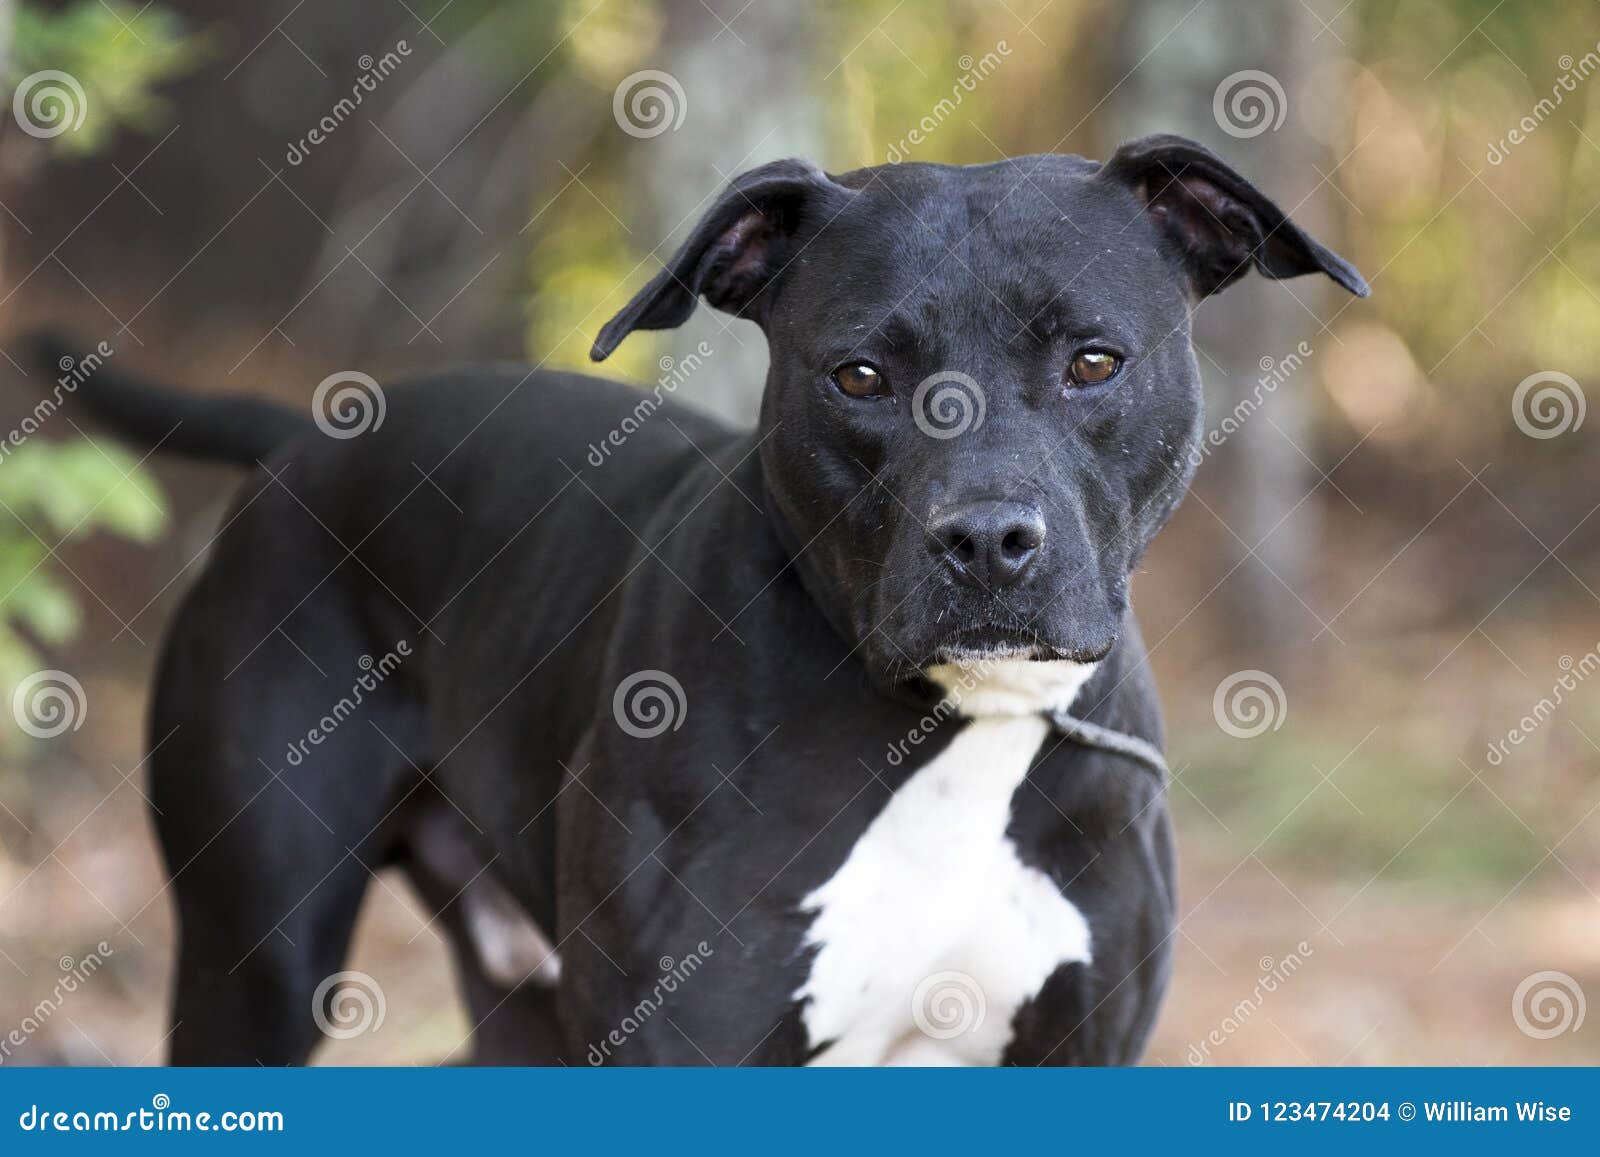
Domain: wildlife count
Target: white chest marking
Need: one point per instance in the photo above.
(933, 932)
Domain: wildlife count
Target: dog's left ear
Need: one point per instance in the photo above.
(736, 253)
(1218, 223)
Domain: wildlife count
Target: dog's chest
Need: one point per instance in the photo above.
(933, 931)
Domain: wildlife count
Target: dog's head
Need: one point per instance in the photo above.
(982, 399)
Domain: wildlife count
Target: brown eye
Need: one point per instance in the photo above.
(1092, 367)
(859, 380)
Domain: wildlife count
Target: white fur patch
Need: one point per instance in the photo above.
(933, 932)
(982, 686)
(512, 949)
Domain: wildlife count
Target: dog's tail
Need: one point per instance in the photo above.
(219, 429)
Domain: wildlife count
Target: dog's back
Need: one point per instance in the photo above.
(372, 597)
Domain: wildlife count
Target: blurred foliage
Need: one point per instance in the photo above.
(1480, 256)
(119, 52)
(52, 493)
(1360, 821)
(1479, 268)
(583, 264)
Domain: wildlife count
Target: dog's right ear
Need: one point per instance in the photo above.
(735, 253)
(1217, 223)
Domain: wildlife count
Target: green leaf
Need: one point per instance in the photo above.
(51, 492)
(113, 56)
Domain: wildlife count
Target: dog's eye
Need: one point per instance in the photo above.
(1092, 367)
(859, 380)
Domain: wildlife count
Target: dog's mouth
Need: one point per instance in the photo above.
(989, 644)
(904, 649)
(993, 643)
(1024, 669)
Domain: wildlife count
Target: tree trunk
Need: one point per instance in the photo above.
(1264, 467)
(754, 105)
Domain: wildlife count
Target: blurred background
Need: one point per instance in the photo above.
(1374, 622)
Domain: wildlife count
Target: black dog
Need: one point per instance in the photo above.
(753, 728)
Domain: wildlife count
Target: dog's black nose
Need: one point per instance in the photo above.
(987, 544)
